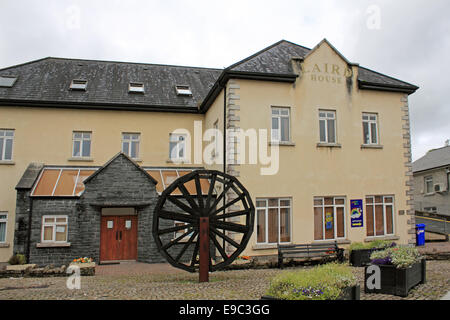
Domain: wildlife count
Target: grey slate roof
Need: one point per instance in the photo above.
(30, 175)
(276, 59)
(48, 80)
(433, 159)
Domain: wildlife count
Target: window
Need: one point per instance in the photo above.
(183, 90)
(54, 229)
(7, 82)
(177, 146)
(3, 222)
(329, 218)
(429, 184)
(130, 144)
(81, 144)
(78, 85)
(136, 87)
(280, 124)
(380, 215)
(327, 126)
(273, 217)
(6, 144)
(370, 128)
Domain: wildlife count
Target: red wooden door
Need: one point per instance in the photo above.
(118, 238)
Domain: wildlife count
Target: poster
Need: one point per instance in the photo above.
(356, 213)
(328, 220)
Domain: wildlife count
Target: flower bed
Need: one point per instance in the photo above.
(401, 268)
(331, 281)
(360, 252)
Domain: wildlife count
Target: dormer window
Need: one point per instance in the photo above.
(136, 87)
(78, 85)
(7, 82)
(183, 90)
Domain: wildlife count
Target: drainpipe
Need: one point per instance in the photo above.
(224, 144)
(30, 214)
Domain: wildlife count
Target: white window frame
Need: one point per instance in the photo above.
(5, 137)
(327, 118)
(78, 85)
(427, 180)
(368, 118)
(385, 204)
(178, 143)
(54, 225)
(136, 87)
(276, 133)
(266, 219)
(183, 90)
(81, 140)
(130, 141)
(5, 221)
(335, 206)
(7, 81)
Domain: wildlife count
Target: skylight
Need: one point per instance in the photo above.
(183, 90)
(78, 85)
(137, 87)
(7, 82)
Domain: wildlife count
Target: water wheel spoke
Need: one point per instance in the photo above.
(176, 216)
(224, 236)
(210, 190)
(198, 188)
(189, 198)
(174, 229)
(230, 214)
(181, 205)
(222, 194)
(194, 254)
(239, 198)
(218, 246)
(175, 241)
(188, 243)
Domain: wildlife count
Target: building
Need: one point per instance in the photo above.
(83, 140)
(432, 181)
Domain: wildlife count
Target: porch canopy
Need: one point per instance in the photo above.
(68, 182)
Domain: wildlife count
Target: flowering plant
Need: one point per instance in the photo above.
(244, 258)
(401, 257)
(83, 260)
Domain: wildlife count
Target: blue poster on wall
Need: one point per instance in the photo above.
(356, 213)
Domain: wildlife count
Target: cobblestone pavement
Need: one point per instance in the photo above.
(224, 285)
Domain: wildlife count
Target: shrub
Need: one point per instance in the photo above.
(377, 244)
(17, 259)
(401, 257)
(323, 282)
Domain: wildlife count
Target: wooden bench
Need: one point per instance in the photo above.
(308, 251)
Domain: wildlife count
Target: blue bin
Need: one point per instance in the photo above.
(420, 234)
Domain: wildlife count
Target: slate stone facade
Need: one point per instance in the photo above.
(119, 183)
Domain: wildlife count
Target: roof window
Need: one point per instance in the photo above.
(7, 82)
(183, 90)
(78, 85)
(136, 87)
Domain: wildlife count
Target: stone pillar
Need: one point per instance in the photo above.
(408, 171)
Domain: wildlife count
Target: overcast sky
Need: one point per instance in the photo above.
(409, 39)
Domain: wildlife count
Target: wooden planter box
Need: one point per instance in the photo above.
(361, 257)
(350, 293)
(398, 282)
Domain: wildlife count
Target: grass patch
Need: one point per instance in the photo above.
(323, 282)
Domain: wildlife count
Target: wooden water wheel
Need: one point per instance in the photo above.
(206, 216)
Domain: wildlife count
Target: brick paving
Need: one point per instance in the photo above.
(161, 281)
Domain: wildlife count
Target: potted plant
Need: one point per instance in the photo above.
(331, 281)
(401, 268)
(359, 252)
(86, 265)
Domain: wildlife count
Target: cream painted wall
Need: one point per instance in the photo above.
(45, 136)
(306, 170)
